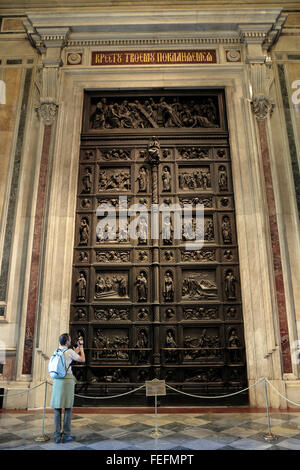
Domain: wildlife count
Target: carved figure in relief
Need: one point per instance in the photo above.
(86, 203)
(167, 231)
(153, 150)
(231, 312)
(118, 180)
(188, 227)
(197, 287)
(209, 230)
(154, 112)
(230, 281)
(87, 181)
(89, 154)
(166, 153)
(226, 230)
(115, 286)
(143, 231)
(228, 255)
(203, 346)
(170, 343)
(193, 153)
(170, 313)
(112, 314)
(234, 343)
(143, 314)
(80, 315)
(143, 255)
(142, 343)
(221, 153)
(200, 313)
(84, 231)
(81, 287)
(168, 291)
(224, 201)
(198, 255)
(142, 287)
(98, 117)
(142, 179)
(169, 255)
(117, 154)
(166, 179)
(222, 180)
(193, 179)
(83, 256)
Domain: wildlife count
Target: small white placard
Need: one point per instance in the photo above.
(155, 387)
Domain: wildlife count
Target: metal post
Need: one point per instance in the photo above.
(43, 437)
(269, 436)
(156, 433)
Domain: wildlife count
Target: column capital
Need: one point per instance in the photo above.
(49, 42)
(47, 112)
(262, 107)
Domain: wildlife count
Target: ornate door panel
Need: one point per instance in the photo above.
(146, 302)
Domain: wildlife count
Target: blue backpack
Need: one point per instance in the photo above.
(57, 365)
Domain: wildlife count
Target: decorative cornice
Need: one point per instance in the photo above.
(169, 26)
(149, 42)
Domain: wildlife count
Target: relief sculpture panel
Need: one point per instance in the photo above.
(148, 302)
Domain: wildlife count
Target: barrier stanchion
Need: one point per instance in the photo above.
(270, 437)
(154, 388)
(156, 433)
(43, 437)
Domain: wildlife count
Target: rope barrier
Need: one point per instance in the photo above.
(217, 396)
(168, 386)
(25, 391)
(112, 396)
(277, 391)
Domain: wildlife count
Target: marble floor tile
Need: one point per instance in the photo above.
(108, 445)
(205, 444)
(281, 431)
(190, 431)
(113, 432)
(250, 444)
(239, 431)
(290, 444)
(198, 432)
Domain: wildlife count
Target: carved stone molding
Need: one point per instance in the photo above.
(262, 107)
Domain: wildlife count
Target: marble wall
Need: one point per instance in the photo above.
(36, 237)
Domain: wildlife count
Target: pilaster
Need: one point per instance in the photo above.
(49, 43)
(258, 40)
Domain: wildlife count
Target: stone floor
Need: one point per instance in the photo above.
(182, 431)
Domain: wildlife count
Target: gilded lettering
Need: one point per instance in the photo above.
(99, 58)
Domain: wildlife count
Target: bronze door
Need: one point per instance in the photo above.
(146, 302)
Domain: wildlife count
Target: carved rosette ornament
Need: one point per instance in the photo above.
(47, 112)
(261, 107)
